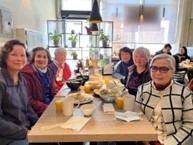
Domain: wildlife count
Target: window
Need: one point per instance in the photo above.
(79, 5)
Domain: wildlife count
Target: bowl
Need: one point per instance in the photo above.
(74, 84)
(108, 99)
(84, 78)
(88, 109)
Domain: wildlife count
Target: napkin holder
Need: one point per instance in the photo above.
(107, 69)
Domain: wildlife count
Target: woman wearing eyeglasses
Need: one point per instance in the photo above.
(167, 104)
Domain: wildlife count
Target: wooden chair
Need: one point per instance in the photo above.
(179, 75)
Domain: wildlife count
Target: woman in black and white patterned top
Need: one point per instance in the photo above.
(167, 104)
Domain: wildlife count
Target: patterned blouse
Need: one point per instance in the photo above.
(171, 115)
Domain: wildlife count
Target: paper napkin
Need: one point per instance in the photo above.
(76, 123)
(128, 116)
(108, 108)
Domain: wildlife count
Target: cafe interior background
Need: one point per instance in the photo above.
(166, 21)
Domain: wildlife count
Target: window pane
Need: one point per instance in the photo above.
(79, 5)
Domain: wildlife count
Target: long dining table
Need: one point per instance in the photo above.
(101, 126)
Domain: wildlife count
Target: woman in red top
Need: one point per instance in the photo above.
(60, 67)
(40, 80)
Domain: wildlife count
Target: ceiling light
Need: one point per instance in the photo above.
(95, 16)
(94, 27)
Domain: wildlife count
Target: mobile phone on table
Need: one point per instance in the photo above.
(118, 76)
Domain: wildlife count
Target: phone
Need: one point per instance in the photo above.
(118, 76)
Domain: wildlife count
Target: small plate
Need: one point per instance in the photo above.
(81, 98)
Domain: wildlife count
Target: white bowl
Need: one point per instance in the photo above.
(88, 109)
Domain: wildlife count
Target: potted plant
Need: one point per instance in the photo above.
(104, 38)
(73, 38)
(74, 54)
(55, 38)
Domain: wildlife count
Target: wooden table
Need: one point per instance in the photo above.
(101, 127)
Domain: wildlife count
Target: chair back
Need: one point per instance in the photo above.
(179, 75)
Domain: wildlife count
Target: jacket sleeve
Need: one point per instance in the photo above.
(32, 116)
(9, 129)
(138, 98)
(185, 132)
(38, 106)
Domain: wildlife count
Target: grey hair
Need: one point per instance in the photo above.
(144, 50)
(166, 57)
(59, 50)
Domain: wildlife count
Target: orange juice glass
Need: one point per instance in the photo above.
(58, 104)
(106, 80)
(119, 102)
(87, 89)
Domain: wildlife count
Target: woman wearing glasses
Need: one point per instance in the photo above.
(167, 104)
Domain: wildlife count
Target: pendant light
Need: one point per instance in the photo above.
(163, 14)
(141, 11)
(95, 16)
(94, 27)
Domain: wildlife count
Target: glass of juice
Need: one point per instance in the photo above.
(58, 104)
(87, 89)
(119, 102)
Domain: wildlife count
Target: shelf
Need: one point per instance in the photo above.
(87, 45)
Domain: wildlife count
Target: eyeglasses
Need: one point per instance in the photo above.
(162, 69)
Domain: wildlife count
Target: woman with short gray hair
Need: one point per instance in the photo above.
(61, 68)
(139, 72)
(167, 57)
(167, 104)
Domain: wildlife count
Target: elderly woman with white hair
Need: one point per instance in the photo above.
(167, 104)
(139, 72)
(60, 67)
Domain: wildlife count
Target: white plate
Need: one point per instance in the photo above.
(85, 98)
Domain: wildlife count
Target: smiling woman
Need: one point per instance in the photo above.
(166, 103)
(16, 114)
(40, 80)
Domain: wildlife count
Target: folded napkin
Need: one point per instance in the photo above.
(108, 108)
(128, 116)
(76, 123)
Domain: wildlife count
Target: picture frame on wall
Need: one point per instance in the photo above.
(6, 24)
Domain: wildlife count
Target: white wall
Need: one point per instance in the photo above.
(30, 14)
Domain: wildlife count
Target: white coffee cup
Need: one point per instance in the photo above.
(68, 106)
(129, 101)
